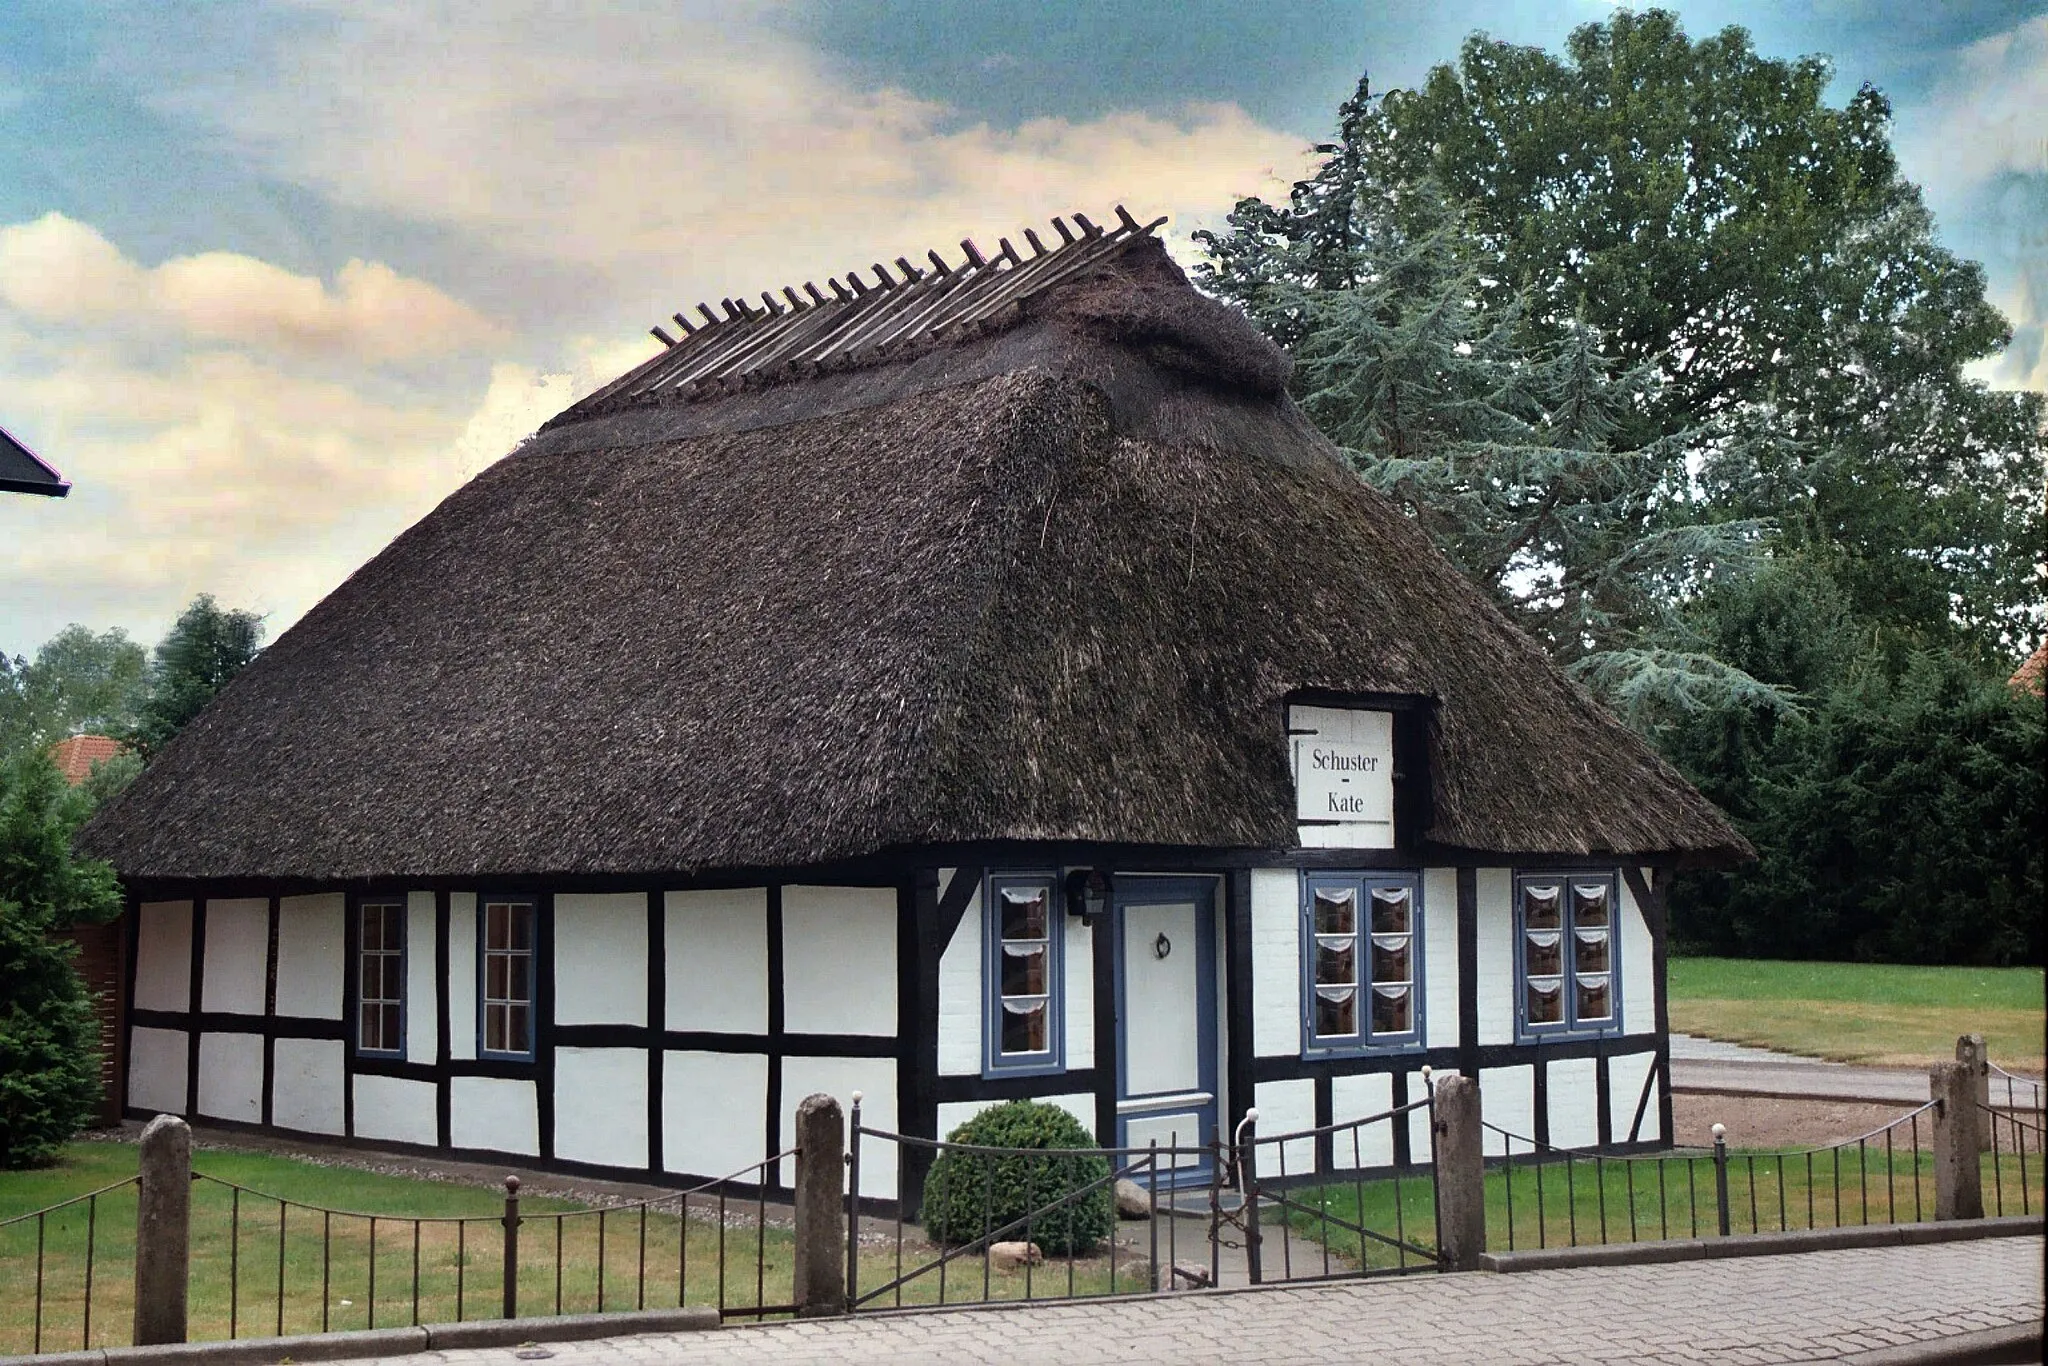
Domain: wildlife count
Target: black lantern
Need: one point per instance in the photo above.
(1088, 893)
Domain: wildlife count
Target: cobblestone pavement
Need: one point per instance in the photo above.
(1813, 1306)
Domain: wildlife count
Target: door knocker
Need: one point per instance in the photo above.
(1162, 945)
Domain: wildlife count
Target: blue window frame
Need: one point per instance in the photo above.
(505, 965)
(380, 977)
(1567, 968)
(1361, 961)
(1023, 928)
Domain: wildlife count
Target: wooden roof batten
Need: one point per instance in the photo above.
(813, 329)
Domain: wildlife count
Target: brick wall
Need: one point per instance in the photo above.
(102, 962)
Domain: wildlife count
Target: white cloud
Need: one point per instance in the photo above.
(686, 148)
(56, 269)
(1988, 113)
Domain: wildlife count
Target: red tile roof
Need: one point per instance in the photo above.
(75, 757)
(2033, 675)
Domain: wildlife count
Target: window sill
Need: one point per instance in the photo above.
(1392, 1048)
(997, 1071)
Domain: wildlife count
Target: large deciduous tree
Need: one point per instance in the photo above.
(203, 651)
(78, 681)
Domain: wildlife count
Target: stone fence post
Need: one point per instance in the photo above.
(163, 1231)
(1457, 1154)
(819, 1274)
(1971, 1053)
(1958, 1178)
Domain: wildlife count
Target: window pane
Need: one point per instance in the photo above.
(519, 970)
(372, 922)
(1336, 911)
(1336, 960)
(494, 1029)
(522, 926)
(1390, 959)
(1024, 1027)
(1392, 1010)
(367, 1036)
(388, 1022)
(1542, 906)
(497, 976)
(497, 926)
(1023, 971)
(1589, 950)
(1589, 903)
(1390, 907)
(1546, 1000)
(1594, 999)
(1336, 1011)
(1024, 913)
(394, 927)
(1543, 956)
(517, 1029)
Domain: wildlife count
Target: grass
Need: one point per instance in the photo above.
(1566, 1204)
(1877, 1013)
(259, 1268)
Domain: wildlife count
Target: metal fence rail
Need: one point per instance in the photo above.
(2019, 1135)
(1326, 1144)
(1883, 1176)
(36, 1250)
(2011, 1091)
(267, 1264)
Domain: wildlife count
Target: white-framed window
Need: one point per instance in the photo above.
(1023, 928)
(1361, 938)
(380, 977)
(1566, 966)
(506, 962)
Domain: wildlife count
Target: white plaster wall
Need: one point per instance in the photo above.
(1354, 1098)
(875, 1079)
(1418, 1120)
(1625, 1076)
(1276, 963)
(717, 970)
(714, 1112)
(1078, 984)
(422, 1038)
(1081, 1105)
(1638, 968)
(398, 1110)
(231, 1076)
(163, 959)
(1507, 1099)
(960, 1002)
(310, 946)
(306, 1091)
(1284, 1107)
(1574, 1092)
(1496, 956)
(1440, 956)
(839, 964)
(462, 1024)
(237, 958)
(498, 1113)
(601, 1106)
(156, 1069)
(601, 961)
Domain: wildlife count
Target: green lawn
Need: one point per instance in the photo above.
(1580, 1203)
(1880, 1013)
(433, 1272)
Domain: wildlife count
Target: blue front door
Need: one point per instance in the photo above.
(1166, 1018)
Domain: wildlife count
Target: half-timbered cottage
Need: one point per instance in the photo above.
(971, 680)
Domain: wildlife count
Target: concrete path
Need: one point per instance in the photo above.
(1710, 1065)
(1815, 1306)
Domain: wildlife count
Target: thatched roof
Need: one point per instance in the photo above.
(1048, 579)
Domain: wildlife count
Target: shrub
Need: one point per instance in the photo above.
(971, 1194)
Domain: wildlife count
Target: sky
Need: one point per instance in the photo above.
(277, 277)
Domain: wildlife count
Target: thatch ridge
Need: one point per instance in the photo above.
(1051, 583)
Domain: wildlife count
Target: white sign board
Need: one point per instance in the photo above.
(1344, 768)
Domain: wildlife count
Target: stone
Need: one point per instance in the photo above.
(1190, 1275)
(1011, 1256)
(1131, 1200)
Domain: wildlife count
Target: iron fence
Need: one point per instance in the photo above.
(1336, 1224)
(2018, 1136)
(2011, 1091)
(1568, 1196)
(64, 1252)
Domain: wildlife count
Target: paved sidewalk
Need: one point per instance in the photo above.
(1814, 1306)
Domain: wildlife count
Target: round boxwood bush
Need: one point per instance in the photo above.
(969, 1194)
